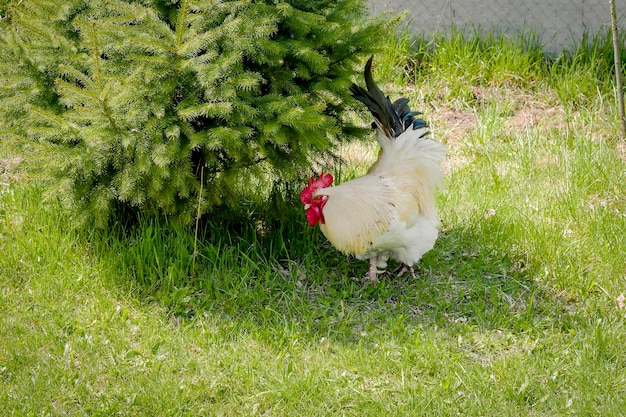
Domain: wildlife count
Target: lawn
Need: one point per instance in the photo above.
(518, 311)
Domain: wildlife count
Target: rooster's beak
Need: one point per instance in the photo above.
(306, 207)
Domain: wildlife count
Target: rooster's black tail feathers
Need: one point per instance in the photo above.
(392, 118)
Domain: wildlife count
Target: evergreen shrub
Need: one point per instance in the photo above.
(167, 106)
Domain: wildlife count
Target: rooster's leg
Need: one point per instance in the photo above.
(373, 271)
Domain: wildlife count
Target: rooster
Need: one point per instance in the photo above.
(388, 213)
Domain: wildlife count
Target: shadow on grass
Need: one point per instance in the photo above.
(282, 274)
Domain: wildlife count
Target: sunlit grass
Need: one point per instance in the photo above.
(519, 309)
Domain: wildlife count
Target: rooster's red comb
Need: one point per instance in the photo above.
(323, 181)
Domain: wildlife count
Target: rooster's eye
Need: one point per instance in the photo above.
(320, 198)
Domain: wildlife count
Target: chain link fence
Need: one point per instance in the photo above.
(559, 24)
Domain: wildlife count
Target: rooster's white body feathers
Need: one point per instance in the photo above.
(389, 212)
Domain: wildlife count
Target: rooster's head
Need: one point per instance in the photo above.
(314, 203)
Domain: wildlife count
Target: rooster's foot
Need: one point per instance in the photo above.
(404, 268)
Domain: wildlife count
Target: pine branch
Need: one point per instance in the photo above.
(102, 96)
(180, 30)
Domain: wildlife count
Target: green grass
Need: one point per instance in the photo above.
(517, 310)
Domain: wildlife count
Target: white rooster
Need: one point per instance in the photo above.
(388, 213)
